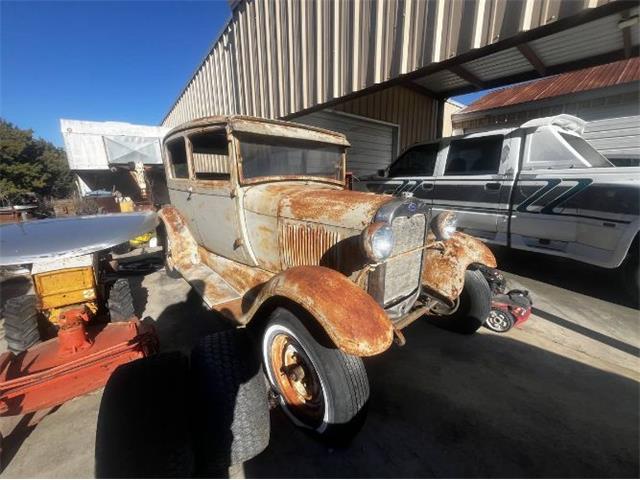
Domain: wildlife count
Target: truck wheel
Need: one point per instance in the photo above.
(231, 423)
(163, 240)
(120, 301)
(143, 423)
(473, 308)
(319, 387)
(21, 323)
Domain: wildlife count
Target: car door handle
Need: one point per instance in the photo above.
(427, 186)
(492, 186)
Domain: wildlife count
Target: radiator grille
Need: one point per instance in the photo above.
(402, 274)
(307, 245)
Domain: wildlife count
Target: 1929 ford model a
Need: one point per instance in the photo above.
(261, 225)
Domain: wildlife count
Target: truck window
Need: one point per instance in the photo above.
(419, 161)
(474, 156)
(178, 158)
(587, 152)
(210, 153)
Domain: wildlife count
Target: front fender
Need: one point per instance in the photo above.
(447, 261)
(352, 319)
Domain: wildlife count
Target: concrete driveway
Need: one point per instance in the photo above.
(558, 397)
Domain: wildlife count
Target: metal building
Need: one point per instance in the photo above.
(380, 70)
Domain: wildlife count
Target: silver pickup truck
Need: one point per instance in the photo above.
(539, 187)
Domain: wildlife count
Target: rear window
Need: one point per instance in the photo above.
(419, 161)
(178, 158)
(586, 151)
(474, 156)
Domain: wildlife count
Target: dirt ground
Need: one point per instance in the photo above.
(558, 397)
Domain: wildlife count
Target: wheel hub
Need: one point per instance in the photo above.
(297, 380)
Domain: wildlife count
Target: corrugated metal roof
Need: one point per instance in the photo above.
(616, 73)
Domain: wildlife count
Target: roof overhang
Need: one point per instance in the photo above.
(594, 37)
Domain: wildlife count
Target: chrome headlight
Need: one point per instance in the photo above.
(378, 241)
(444, 225)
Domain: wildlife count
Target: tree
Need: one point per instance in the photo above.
(30, 165)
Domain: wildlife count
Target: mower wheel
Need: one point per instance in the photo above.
(21, 323)
(143, 423)
(120, 301)
(499, 321)
(231, 406)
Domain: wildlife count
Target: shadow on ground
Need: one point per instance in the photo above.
(482, 406)
(602, 283)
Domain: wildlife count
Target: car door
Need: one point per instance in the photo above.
(469, 182)
(211, 200)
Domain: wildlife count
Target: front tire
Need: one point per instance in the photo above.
(499, 321)
(473, 307)
(319, 387)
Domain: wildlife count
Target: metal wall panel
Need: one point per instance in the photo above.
(279, 57)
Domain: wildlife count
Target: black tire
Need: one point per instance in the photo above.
(163, 241)
(230, 397)
(120, 301)
(343, 382)
(143, 423)
(630, 276)
(499, 321)
(473, 308)
(21, 323)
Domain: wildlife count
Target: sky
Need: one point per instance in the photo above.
(94, 60)
(102, 60)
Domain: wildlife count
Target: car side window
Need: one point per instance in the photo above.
(210, 153)
(419, 161)
(474, 156)
(178, 158)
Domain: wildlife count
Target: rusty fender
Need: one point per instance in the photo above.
(352, 319)
(447, 261)
(182, 246)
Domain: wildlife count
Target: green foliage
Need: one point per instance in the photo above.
(31, 165)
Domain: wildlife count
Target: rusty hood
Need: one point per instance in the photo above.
(317, 203)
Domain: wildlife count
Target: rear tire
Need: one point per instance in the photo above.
(230, 398)
(120, 301)
(21, 323)
(473, 308)
(330, 394)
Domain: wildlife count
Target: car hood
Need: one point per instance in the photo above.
(324, 204)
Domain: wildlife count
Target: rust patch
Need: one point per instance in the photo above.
(447, 261)
(183, 249)
(344, 208)
(351, 318)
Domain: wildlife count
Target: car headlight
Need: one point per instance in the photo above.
(444, 225)
(378, 241)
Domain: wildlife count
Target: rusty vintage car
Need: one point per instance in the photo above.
(262, 226)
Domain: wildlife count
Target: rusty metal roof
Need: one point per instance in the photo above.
(610, 74)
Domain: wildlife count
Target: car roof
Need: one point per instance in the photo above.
(263, 126)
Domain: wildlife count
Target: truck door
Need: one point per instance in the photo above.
(470, 184)
(413, 172)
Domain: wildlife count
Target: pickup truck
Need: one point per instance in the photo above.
(539, 187)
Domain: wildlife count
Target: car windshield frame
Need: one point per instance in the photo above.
(244, 139)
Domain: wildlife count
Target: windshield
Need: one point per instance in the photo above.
(289, 157)
(586, 151)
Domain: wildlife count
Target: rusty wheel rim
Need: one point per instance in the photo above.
(297, 379)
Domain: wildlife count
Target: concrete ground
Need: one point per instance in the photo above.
(558, 397)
